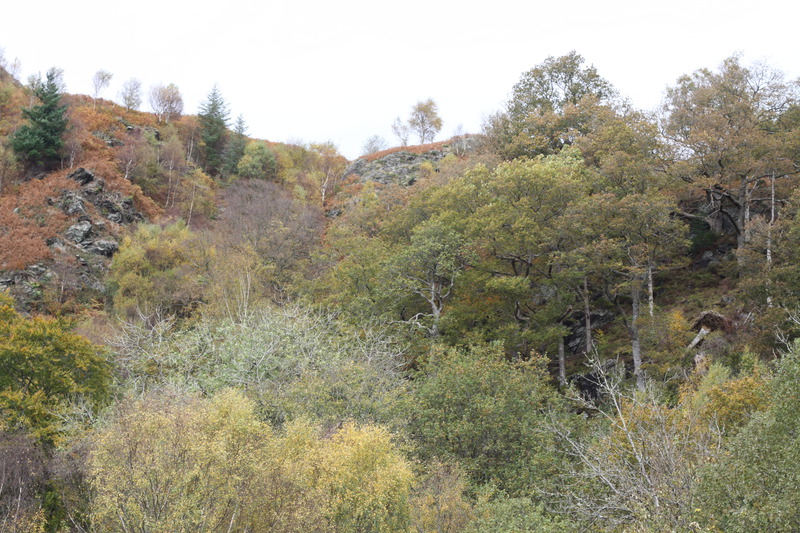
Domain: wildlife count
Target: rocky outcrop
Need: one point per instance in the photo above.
(404, 166)
(82, 253)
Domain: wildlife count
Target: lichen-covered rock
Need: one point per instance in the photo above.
(79, 232)
(401, 168)
(106, 247)
(404, 167)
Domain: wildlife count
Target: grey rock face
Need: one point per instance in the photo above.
(79, 232)
(106, 247)
(401, 168)
(82, 176)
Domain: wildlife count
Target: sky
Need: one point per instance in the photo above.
(307, 71)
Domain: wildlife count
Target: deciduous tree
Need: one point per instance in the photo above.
(730, 139)
(131, 94)
(100, 81)
(44, 367)
(376, 143)
(425, 120)
(166, 102)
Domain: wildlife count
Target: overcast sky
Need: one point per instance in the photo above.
(341, 71)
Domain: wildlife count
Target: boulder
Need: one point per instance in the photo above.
(82, 176)
(106, 247)
(79, 232)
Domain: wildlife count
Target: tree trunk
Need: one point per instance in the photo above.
(633, 330)
(769, 239)
(562, 366)
(650, 300)
(741, 218)
(587, 312)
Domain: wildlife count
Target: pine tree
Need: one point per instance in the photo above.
(235, 148)
(40, 140)
(213, 117)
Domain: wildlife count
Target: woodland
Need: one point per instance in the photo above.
(585, 317)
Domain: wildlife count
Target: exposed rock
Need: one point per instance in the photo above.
(118, 209)
(106, 247)
(79, 232)
(110, 140)
(403, 167)
(81, 254)
(82, 176)
(72, 203)
(95, 187)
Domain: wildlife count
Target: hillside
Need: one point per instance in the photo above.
(584, 318)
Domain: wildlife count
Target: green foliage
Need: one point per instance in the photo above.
(551, 105)
(474, 407)
(234, 150)
(296, 363)
(39, 141)
(753, 486)
(555, 84)
(214, 116)
(497, 513)
(44, 368)
(157, 270)
(257, 162)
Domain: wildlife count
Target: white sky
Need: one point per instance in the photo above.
(341, 71)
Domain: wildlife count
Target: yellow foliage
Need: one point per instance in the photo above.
(180, 464)
(728, 401)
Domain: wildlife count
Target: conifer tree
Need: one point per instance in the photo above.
(40, 140)
(213, 117)
(234, 151)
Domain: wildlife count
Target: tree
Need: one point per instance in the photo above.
(43, 368)
(474, 407)
(374, 144)
(551, 105)
(555, 84)
(100, 81)
(402, 130)
(425, 120)
(213, 466)
(166, 101)
(625, 240)
(234, 150)
(638, 465)
(154, 272)
(9, 66)
(730, 139)
(428, 268)
(40, 140)
(214, 118)
(751, 486)
(516, 220)
(131, 94)
(257, 162)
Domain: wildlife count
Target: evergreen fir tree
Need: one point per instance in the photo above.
(235, 148)
(213, 117)
(40, 140)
